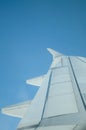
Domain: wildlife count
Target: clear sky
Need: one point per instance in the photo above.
(27, 28)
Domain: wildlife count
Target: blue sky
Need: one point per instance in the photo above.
(27, 28)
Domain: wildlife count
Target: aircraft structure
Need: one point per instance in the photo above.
(60, 102)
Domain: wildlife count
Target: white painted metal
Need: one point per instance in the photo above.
(60, 105)
(36, 81)
(36, 109)
(54, 53)
(17, 110)
(61, 98)
(60, 89)
(80, 71)
(58, 95)
(79, 66)
(64, 127)
(56, 62)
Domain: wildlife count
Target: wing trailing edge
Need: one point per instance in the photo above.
(36, 81)
(17, 110)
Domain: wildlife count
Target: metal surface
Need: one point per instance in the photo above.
(60, 103)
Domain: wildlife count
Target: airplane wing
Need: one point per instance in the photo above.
(36, 81)
(54, 53)
(17, 110)
(60, 103)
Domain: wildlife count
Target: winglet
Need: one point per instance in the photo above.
(54, 53)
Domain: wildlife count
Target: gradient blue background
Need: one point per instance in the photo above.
(27, 28)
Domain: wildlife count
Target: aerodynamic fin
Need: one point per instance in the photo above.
(54, 53)
(17, 110)
(36, 81)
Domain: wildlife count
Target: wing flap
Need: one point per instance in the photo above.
(17, 110)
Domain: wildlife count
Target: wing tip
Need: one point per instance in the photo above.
(54, 53)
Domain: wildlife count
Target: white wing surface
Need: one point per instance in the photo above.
(17, 110)
(37, 106)
(60, 103)
(36, 81)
